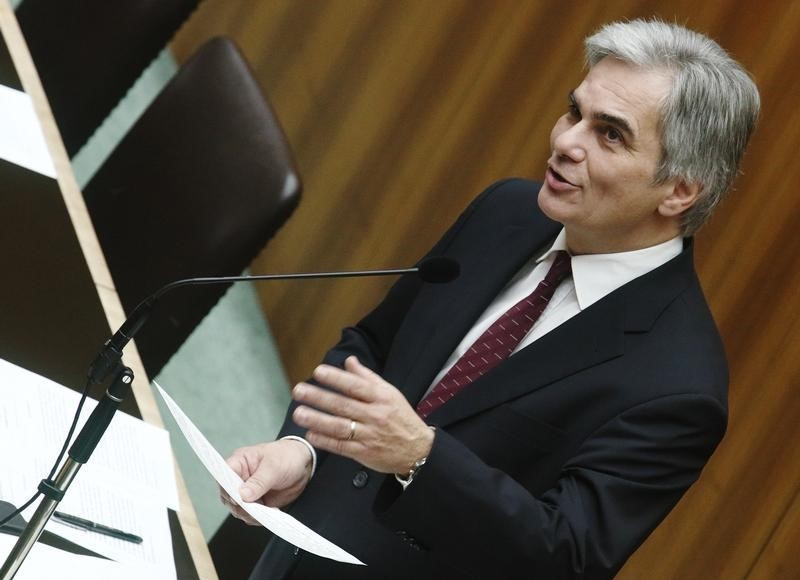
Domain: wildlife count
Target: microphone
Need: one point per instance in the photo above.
(438, 269)
(434, 269)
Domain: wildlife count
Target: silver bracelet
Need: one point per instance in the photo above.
(409, 477)
(405, 482)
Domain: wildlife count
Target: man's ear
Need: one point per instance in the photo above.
(682, 197)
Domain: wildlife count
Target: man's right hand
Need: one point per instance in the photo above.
(274, 474)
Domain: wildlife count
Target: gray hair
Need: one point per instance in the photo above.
(708, 115)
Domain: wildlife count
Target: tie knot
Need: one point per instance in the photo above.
(560, 269)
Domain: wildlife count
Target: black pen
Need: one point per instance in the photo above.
(91, 526)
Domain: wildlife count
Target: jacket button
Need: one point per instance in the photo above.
(360, 479)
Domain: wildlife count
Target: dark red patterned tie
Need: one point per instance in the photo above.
(498, 341)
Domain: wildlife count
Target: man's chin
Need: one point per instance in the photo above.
(554, 205)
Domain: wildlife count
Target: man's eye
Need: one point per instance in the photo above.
(573, 111)
(613, 135)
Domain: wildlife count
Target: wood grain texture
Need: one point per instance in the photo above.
(400, 111)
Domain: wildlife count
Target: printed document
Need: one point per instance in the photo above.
(47, 562)
(128, 482)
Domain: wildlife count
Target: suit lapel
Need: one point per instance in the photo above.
(594, 336)
(451, 311)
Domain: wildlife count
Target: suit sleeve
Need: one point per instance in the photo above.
(620, 483)
(371, 338)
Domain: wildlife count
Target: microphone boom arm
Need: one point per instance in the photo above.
(432, 269)
(310, 275)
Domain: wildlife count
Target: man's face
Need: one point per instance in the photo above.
(605, 151)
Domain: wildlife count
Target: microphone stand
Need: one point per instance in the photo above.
(432, 269)
(79, 453)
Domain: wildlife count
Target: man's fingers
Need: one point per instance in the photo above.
(332, 403)
(238, 462)
(344, 381)
(354, 365)
(235, 509)
(341, 447)
(258, 478)
(225, 498)
(334, 426)
(240, 514)
(255, 487)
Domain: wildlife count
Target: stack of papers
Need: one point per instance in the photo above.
(127, 484)
(46, 562)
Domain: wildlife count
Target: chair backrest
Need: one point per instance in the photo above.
(88, 53)
(197, 187)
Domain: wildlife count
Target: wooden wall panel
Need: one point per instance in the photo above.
(400, 111)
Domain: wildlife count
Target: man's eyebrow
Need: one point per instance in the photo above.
(573, 100)
(618, 122)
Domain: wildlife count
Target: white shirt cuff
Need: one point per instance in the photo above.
(310, 448)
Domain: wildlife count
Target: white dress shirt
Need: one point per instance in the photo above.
(593, 277)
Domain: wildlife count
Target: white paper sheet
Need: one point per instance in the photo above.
(128, 482)
(132, 456)
(278, 522)
(44, 561)
(21, 138)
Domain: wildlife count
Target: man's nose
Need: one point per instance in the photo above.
(570, 143)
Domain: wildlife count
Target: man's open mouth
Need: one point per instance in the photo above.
(560, 177)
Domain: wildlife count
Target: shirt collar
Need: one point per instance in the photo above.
(597, 275)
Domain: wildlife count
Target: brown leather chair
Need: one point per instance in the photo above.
(89, 52)
(197, 187)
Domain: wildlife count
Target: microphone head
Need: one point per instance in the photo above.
(438, 269)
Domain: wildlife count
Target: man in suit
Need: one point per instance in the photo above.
(437, 441)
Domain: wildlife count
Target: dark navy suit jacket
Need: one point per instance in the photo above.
(557, 463)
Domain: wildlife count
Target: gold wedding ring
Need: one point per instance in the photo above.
(352, 434)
